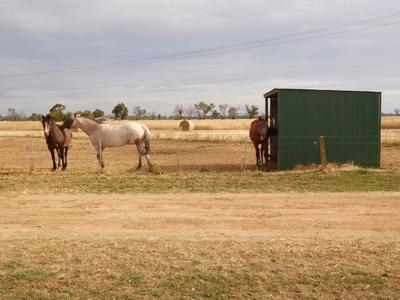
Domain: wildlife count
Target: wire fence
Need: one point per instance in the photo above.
(201, 152)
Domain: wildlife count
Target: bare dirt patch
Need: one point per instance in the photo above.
(315, 245)
(201, 216)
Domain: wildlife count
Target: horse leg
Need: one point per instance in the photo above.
(257, 156)
(140, 152)
(149, 163)
(65, 153)
(266, 152)
(145, 153)
(59, 159)
(54, 159)
(262, 154)
(100, 157)
(61, 154)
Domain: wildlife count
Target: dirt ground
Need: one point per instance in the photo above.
(17, 153)
(370, 216)
(192, 246)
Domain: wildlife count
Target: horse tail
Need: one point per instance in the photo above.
(147, 145)
(146, 137)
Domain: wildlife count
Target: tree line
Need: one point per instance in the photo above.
(201, 110)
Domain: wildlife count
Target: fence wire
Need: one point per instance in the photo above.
(191, 153)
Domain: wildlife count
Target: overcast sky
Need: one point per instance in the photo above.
(49, 35)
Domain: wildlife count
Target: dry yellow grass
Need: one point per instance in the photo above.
(227, 124)
(391, 122)
(330, 167)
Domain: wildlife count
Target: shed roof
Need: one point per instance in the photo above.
(275, 91)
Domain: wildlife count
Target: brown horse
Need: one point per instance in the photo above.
(57, 138)
(259, 136)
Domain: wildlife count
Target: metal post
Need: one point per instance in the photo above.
(322, 152)
(245, 155)
(178, 153)
(32, 158)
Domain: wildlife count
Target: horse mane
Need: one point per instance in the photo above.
(67, 124)
(100, 120)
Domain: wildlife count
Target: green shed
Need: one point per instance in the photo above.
(349, 121)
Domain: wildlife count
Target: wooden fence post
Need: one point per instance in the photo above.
(322, 152)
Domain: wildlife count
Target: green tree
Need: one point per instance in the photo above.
(87, 114)
(68, 116)
(120, 111)
(251, 110)
(204, 108)
(35, 117)
(233, 112)
(215, 114)
(98, 113)
(57, 112)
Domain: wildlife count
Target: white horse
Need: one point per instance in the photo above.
(106, 135)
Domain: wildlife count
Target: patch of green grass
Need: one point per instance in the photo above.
(253, 182)
(364, 279)
(197, 283)
(31, 275)
(322, 269)
(134, 277)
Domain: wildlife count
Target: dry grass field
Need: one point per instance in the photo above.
(391, 122)
(215, 229)
(227, 124)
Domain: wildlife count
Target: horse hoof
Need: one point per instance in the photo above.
(63, 169)
(53, 170)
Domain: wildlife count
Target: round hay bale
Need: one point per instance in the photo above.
(186, 125)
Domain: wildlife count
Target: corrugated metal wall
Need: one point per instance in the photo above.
(349, 121)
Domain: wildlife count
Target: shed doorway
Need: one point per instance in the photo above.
(271, 115)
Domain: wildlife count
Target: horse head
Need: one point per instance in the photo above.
(47, 123)
(262, 129)
(74, 124)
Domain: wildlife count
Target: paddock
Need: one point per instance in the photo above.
(207, 224)
(207, 150)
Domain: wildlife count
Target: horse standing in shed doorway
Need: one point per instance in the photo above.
(57, 138)
(259, 136)
(105, 135)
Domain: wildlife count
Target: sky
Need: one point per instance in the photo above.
(96, 53)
